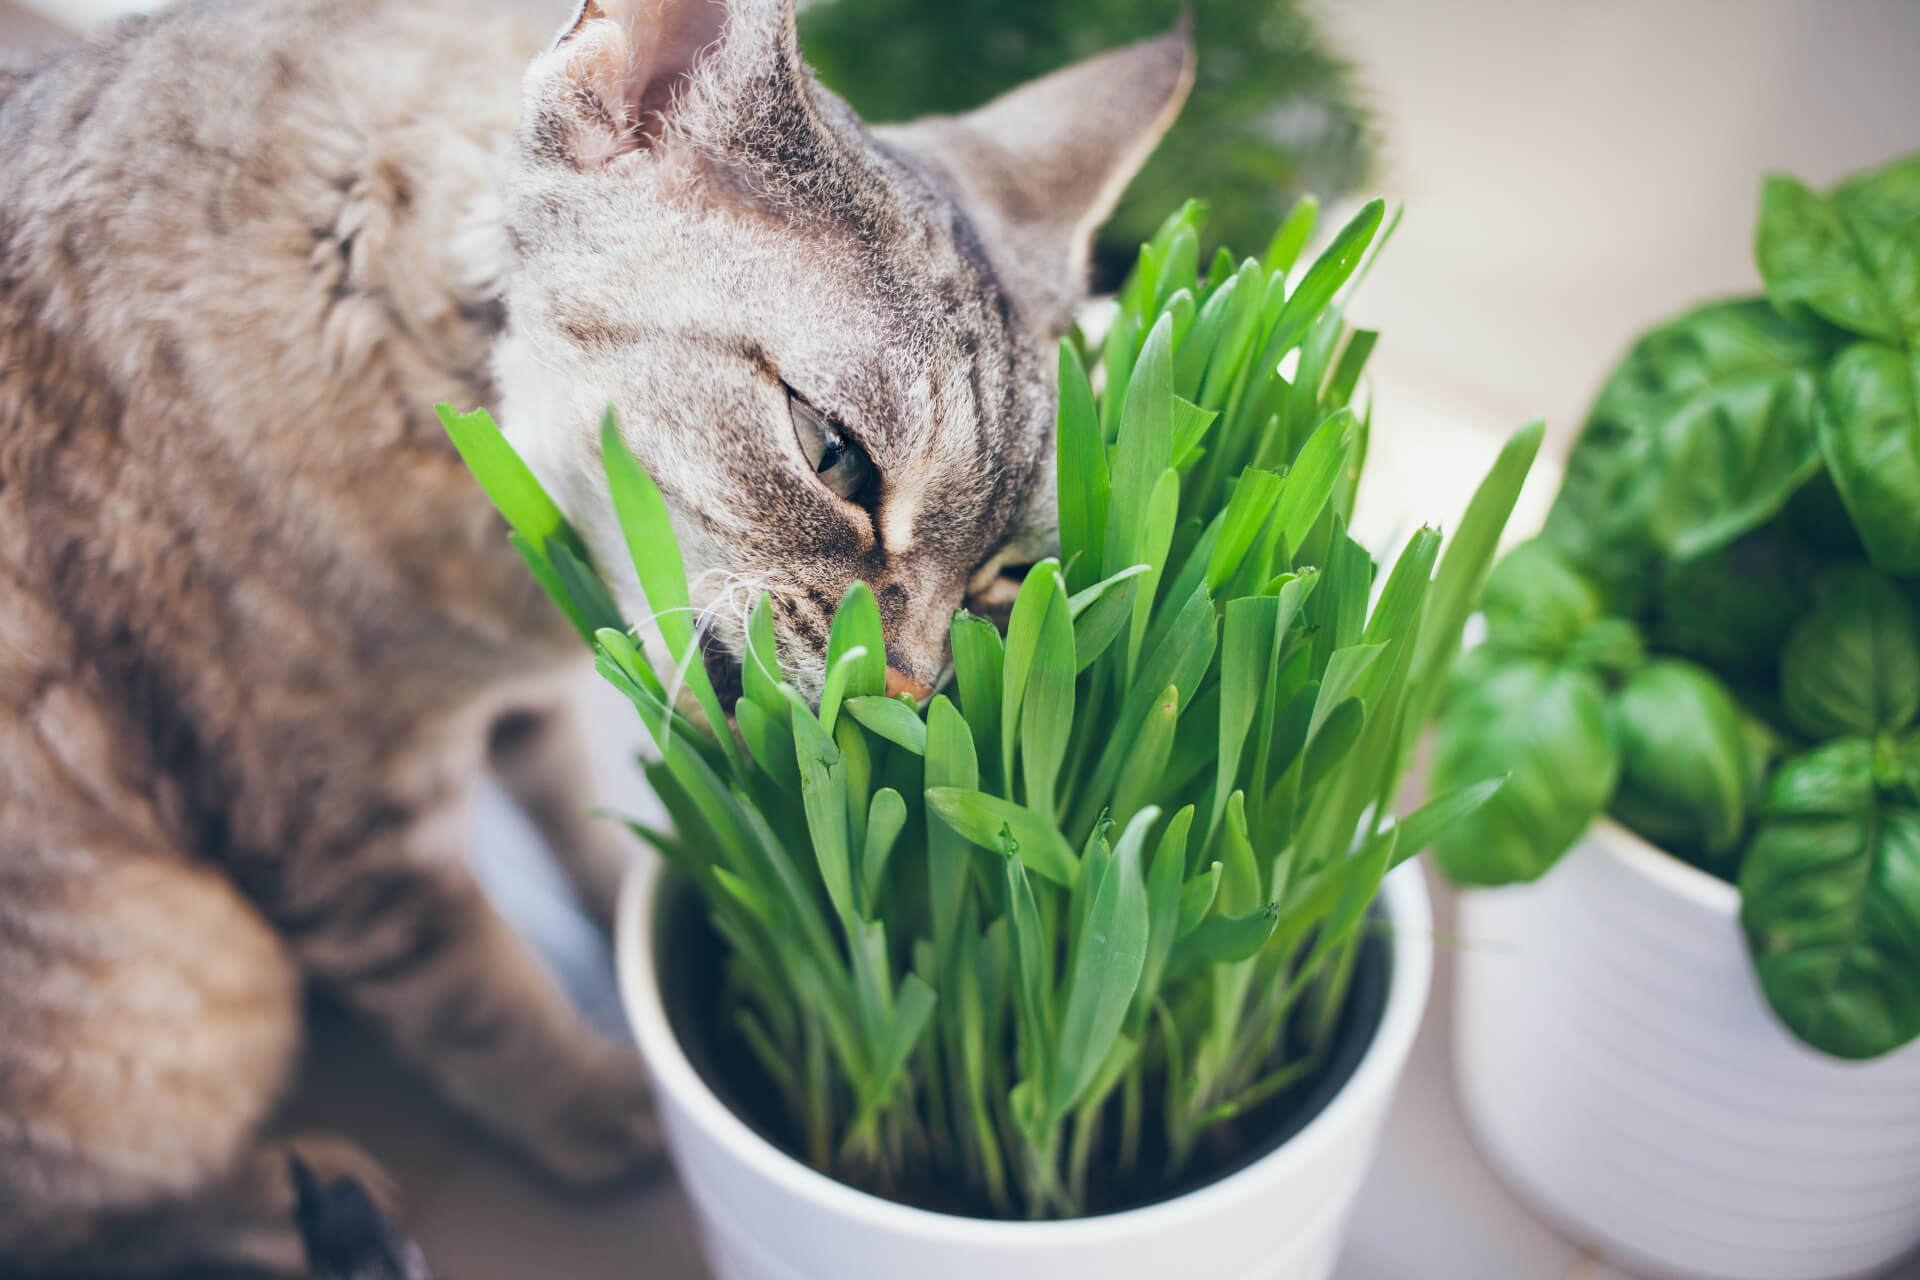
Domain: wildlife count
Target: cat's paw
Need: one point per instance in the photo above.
(606, 1130)
(320, 1160)
(343, 1206)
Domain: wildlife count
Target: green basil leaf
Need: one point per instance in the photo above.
(1870, 435)
(1881, 209)
(1829, 256)
(1830, 902)
(1536, 604)
(1685, 776)
(1704, 431)
(1852, 665)
(1544, 726)
(1733, 609)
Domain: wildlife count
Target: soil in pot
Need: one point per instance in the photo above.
(691, 958)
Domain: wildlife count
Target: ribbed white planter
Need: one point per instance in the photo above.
(1621, 1070)
(766, 1216)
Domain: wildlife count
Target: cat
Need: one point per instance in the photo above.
(259, 630)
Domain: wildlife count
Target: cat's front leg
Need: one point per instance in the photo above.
(539, 754)
(401, 929)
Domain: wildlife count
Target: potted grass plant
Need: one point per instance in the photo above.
(1099, 962)
(1691, 1038)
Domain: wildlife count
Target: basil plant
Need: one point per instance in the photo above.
(1053, 942)
(1714, 640)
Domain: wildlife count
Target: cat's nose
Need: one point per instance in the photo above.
(899, 683)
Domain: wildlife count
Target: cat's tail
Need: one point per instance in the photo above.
(347, 1235)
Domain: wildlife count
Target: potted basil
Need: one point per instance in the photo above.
(1693, 1040)
(1098, 963)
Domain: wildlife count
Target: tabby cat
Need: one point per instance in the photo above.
(259, 630)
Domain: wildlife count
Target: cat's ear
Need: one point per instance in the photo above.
(1044, 164)
(634, 68)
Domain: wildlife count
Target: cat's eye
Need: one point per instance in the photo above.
(841, 464)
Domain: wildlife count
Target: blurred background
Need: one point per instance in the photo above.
(1571, 173)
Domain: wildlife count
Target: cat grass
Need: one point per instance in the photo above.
(1101, 898)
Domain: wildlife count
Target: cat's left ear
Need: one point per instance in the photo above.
(622, 71)
(1043, 165)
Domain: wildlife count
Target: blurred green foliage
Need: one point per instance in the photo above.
(1273, 114)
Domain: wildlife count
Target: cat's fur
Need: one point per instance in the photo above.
(259, 630)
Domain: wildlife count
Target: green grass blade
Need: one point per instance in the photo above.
(1255, 495)
(886, 818)
(1424, 825)
(857, 645)
(841, 673)
(1147, 759)
(1463, 572)
(1222, 940)
(1032, 974)
(1353, 361)
(1310, 481)
(1046, 717)
(1024, 631)
(1292, 236)
(1156, 538)
(1165, 886)
(892, 719)
(770, 743)
(823, 791)
(1105, 970)
(979, 660)
(1197, 897)
(981, 818)
(1143, 450)
(655, 551)
(1245, 653)
(950, 764)
(508, 481)
(1322, 280)
(1344, 669)
(1083, 480)
(912, 1014)
(760, 671)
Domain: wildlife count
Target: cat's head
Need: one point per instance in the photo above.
(833, 347)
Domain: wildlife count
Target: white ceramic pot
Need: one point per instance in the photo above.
(1621, 1070)
(766, 1216)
